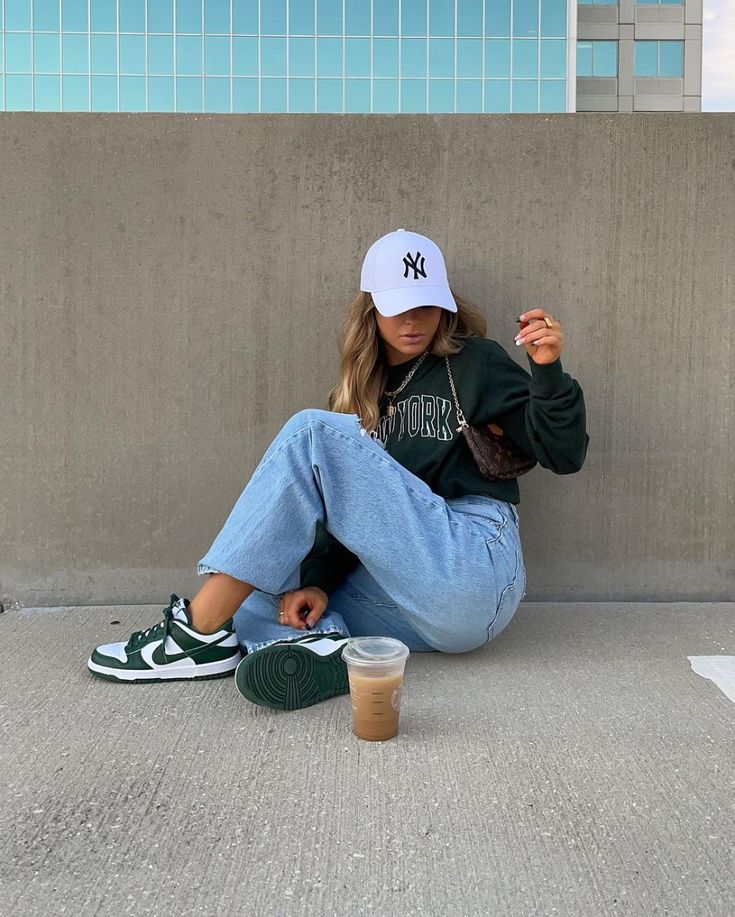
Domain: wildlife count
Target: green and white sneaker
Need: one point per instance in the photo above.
(296, 673)
(169, 651)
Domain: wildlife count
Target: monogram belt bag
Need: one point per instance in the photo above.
(496, 455)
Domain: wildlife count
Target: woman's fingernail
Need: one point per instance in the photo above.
(519, 341)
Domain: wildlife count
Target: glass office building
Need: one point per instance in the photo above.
(343, 56)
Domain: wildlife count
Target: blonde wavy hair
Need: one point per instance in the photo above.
(363, 371)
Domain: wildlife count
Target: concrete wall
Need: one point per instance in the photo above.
(171, 288)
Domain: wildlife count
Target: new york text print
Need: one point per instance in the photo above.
(427, 416)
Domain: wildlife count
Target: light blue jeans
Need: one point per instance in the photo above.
(438, 574)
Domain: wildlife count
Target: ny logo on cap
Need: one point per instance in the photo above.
(412, 263)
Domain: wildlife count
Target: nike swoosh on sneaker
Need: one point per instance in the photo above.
(153, 654)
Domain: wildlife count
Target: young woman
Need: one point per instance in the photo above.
(372, 517)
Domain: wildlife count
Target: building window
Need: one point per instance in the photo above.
(597, 58)
(285, 55)
(596, 3)
(660, 2)
(659, 58)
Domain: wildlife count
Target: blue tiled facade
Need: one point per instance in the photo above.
(388, 56)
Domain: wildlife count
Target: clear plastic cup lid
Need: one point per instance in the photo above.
(369, 651)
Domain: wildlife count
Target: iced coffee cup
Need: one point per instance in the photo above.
(375, 667)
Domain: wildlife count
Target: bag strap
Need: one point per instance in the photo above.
(460, 415)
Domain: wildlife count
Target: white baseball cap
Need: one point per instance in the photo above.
(403, 270)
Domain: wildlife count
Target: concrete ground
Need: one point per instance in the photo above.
(576, 765)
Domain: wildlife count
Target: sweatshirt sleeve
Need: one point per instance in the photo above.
(543, 411)
(328, 562)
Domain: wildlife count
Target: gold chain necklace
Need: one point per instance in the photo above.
(391, 395)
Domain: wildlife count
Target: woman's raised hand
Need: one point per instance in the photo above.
(542, 343)
(303, 607)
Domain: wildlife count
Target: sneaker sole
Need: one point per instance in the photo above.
(201, 672)
(289, 677)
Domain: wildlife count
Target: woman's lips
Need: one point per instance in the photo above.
(412, 337)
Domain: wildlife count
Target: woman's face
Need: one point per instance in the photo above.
(423, 319)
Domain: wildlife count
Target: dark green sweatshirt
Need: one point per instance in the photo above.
(543, 412)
